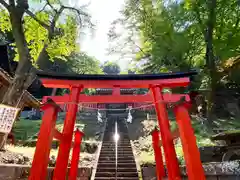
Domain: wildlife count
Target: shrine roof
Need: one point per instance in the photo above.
(30, 100)
(52, 75)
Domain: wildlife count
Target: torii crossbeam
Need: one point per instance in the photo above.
(156, 83)
(167, 98)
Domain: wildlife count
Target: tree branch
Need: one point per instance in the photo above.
(53, 23)
(51, 6)
(12, 3)
(43, 8)
(46, 26)
(4, 4)
(78, 11)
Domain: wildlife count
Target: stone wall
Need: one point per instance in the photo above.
(213, 171)
(21, 172)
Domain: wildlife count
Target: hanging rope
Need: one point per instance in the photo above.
(106, 109)
(169, 105)
(99, 117)
(129, 119)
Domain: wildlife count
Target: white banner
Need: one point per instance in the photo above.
(8, 115)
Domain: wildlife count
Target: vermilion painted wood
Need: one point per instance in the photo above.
(167, 97)
(57, 135)
(65, 145)
(116, 91)
(167, 141)
(189, 145)
(158, 155)
(75, 155)
(75, 98)
(171, 83)
(45, 137)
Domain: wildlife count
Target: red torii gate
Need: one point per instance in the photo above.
(156, 83)
(167, 98)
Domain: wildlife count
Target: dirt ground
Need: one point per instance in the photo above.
(23, 154)
(9, 157)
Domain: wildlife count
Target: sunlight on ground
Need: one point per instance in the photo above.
(27, 151)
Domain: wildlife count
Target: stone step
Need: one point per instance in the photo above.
(111, 134)
(120, 174)
(118, 178)
(120, 160)
(112, 164)
(118, 145)
(109, 151)
(102, 154)
(113, 142)
(119, 150)
(111, 139)
(126, 165)
(113, 169)
(113, 145)
(119, 157)
(113, 153)
(121, 143)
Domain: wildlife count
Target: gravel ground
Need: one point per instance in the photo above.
(24, 156)
(8, 157)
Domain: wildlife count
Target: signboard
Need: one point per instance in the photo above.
(8, 115)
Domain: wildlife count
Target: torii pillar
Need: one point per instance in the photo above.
(65, 145)
(167, 141)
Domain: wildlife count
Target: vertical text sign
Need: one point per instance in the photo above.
(8, 115)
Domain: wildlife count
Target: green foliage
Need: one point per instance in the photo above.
(81, 63)
(111, 68)
(173, 33)
(62, 45)
(5, 24)
(36, 35)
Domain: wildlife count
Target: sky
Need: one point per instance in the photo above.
(103, 12)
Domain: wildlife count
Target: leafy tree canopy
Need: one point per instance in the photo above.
(111, 68)
(81, 63)
(62, 45)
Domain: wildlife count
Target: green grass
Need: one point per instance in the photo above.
(203, 136)
(26, 132)
(25, 129)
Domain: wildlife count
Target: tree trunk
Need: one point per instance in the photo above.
(43, 61)
(25, 73)
(210, 61)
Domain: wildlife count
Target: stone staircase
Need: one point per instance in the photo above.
(126, 166)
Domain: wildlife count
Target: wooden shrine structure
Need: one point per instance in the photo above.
(76, 83)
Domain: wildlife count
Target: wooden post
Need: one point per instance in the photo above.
(45, 137)
(75, 155)
(167, 141)
(189, 145)
(65, 145)
(158, 154)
